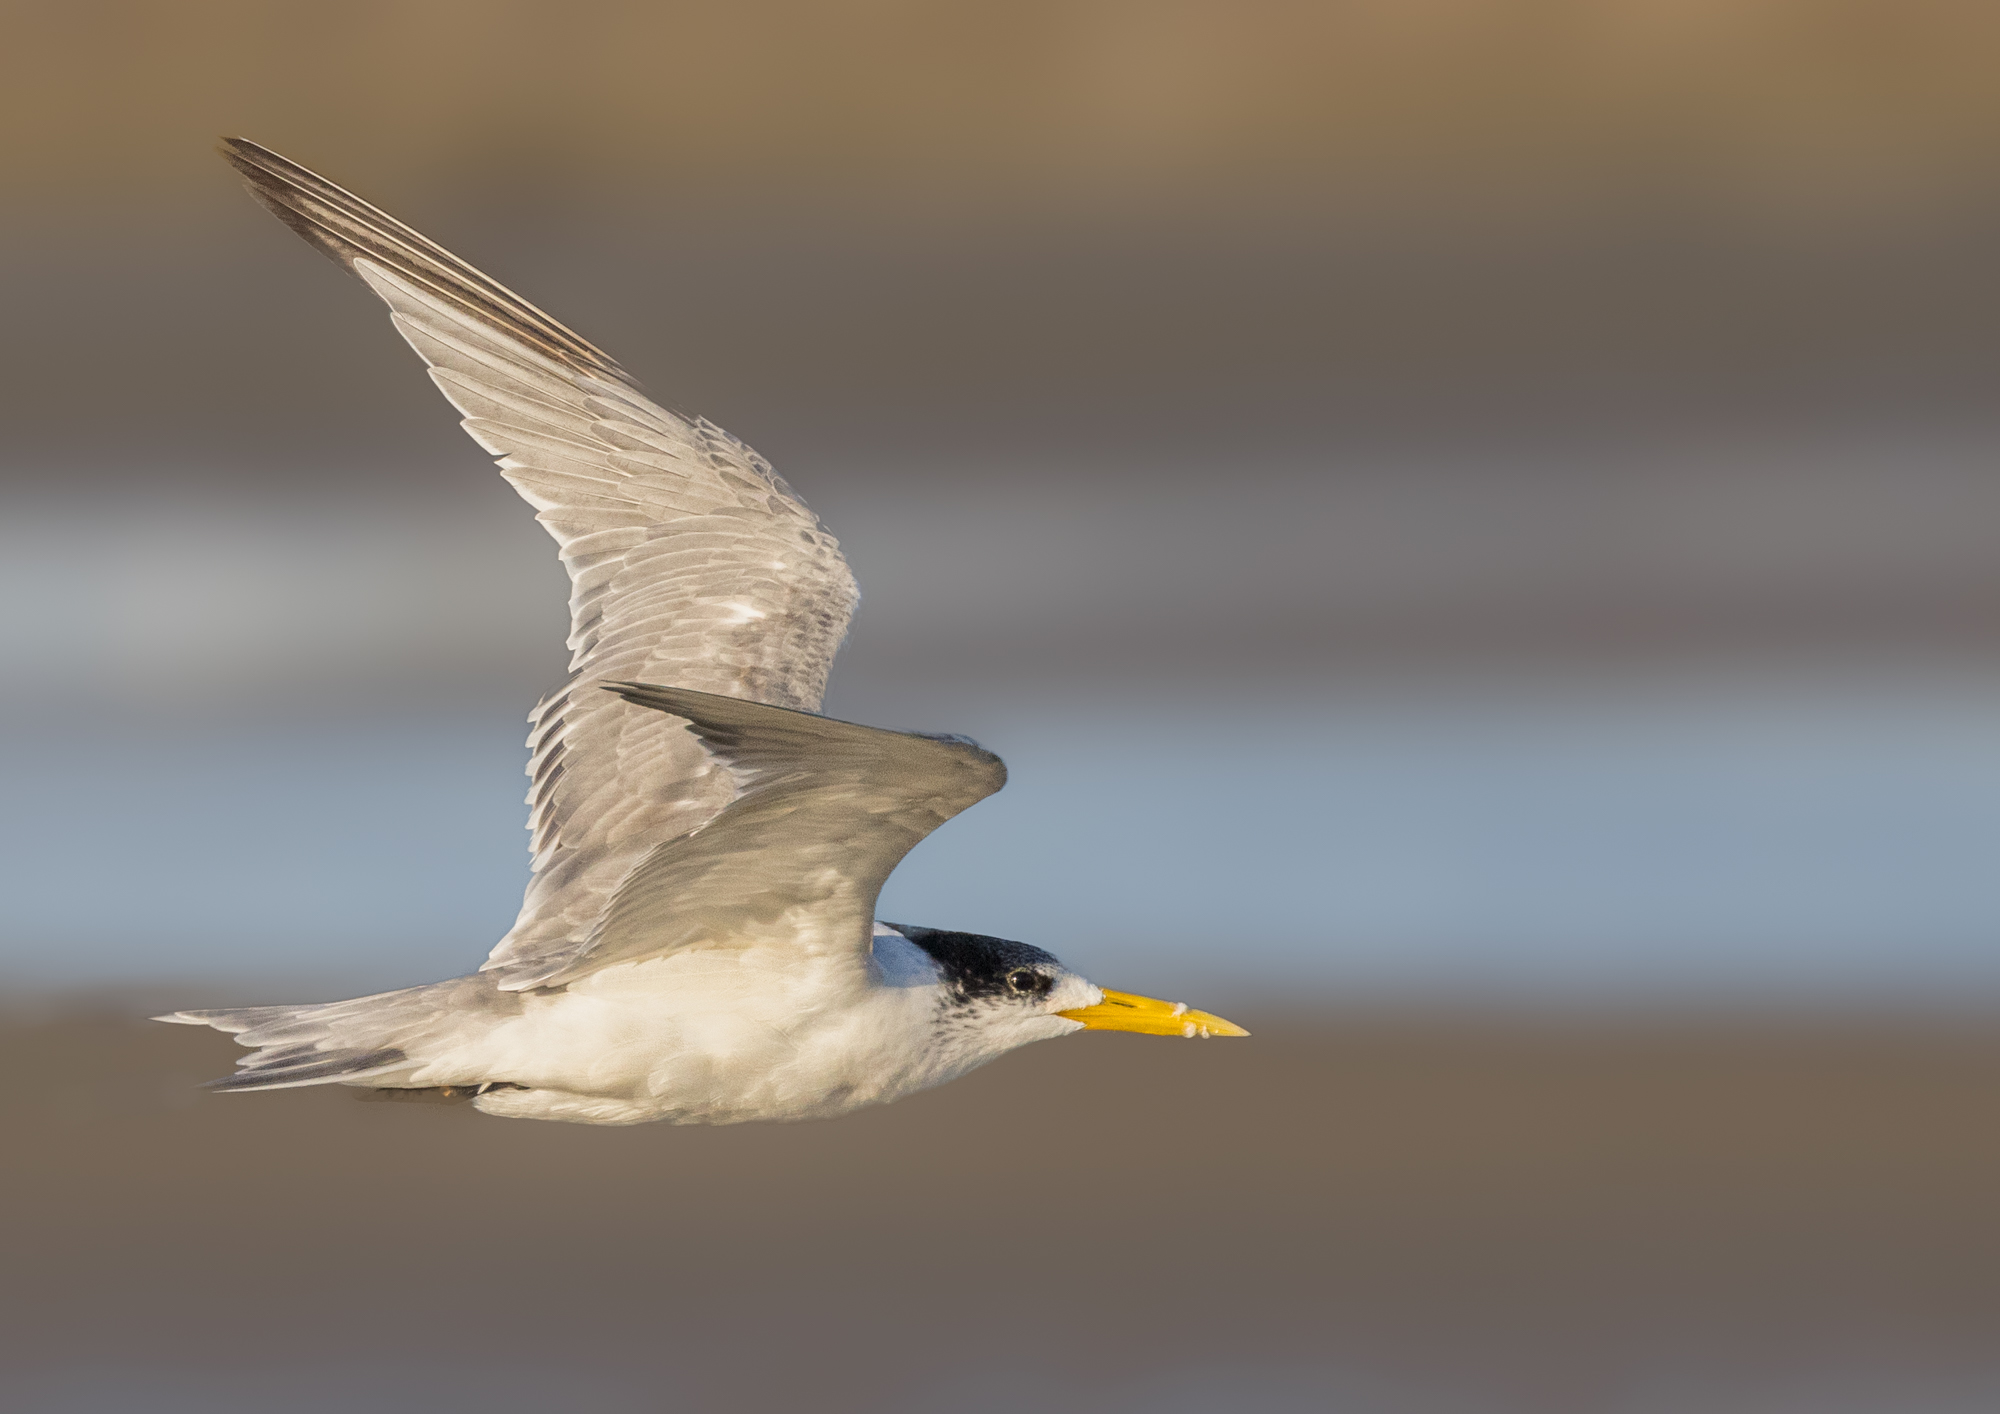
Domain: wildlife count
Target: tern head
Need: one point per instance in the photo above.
(1012, 993)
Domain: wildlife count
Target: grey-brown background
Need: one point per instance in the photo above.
(1478, 522)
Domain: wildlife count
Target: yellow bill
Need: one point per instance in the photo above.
(1122, 1011)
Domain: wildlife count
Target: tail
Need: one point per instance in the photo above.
(380, 1038)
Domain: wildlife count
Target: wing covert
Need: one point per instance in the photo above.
(824, 811)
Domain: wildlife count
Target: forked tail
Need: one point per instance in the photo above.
(378, 1039)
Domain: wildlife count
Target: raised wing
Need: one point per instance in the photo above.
(689, 558)
(824, 811)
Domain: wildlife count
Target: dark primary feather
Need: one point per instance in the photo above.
(347, 228)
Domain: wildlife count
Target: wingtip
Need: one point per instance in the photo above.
(345, 228)
(240, 152)
(653, 694)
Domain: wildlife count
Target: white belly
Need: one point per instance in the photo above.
(715, 1036)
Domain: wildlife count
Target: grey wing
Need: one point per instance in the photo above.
(824, 811)
(689, 558)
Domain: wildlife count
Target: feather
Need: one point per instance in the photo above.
(690, 559)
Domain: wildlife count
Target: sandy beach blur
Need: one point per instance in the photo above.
(1349, 1212)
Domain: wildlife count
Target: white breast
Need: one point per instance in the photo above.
(720, 1035)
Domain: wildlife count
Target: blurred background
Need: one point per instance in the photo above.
(1476, 529)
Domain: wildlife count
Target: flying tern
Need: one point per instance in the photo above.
(698, 942)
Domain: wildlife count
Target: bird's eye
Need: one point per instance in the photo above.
(1022, 980)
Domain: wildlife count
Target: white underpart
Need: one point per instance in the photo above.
(725, 1035)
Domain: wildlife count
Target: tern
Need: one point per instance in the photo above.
(698, 941)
